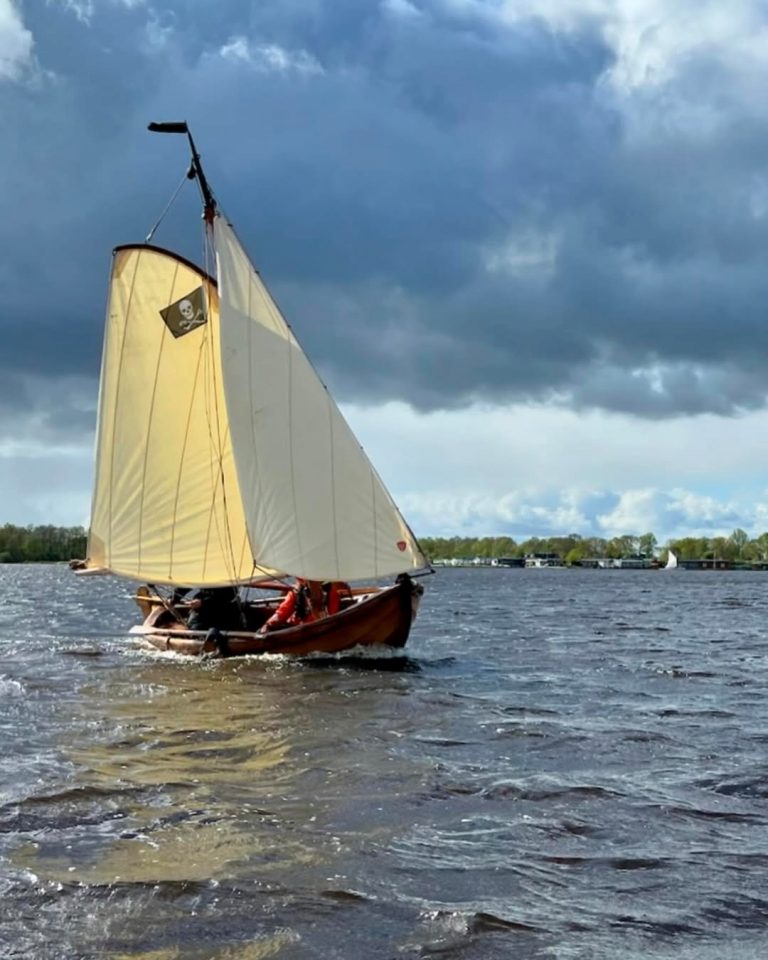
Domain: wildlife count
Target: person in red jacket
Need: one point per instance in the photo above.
(334, 591)
(296, 607)
(308, 600)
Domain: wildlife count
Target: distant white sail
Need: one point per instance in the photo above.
(671, 561)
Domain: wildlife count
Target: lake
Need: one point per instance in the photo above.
(565, 764)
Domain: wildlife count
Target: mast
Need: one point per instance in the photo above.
(195, 168)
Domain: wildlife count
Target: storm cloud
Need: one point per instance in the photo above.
(454, 201)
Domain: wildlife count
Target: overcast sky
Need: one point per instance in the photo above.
(524, 241)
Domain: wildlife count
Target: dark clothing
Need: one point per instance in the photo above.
(219, 608)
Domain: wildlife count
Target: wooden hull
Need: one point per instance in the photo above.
(380, 619)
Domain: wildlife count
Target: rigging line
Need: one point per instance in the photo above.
(167, 208)
(214, 429)
(334, 504)
(293, 341)
(150, 422)
(182, 458)
(126, 305)
(101, 428)
(255, 282)
(278, 577)
(246, 543)
(228, 549)
(167, 604)
(252, 416)
(208, 393)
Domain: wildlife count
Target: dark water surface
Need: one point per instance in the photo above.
(567, 764)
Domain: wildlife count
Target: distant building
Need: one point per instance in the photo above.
(618, 563)
(540, 560)
(706, 564)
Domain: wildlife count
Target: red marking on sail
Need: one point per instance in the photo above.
(401, 545)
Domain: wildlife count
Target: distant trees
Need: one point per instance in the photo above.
(758, 548)
(28, 544)
(48, 543)
(573, 548)
(450, 548)
(736, 547)
(739, 539)
(647, 544)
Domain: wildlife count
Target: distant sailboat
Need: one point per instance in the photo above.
(671, 561)
(223, 461)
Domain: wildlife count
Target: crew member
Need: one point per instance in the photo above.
(213, 607)
(333, 592)
(302, 604)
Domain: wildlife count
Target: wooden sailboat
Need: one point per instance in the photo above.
(223, 461)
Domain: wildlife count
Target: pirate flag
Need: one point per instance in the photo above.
(186, 314)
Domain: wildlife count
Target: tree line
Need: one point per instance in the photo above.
(573, 548)
(44, 543)
(48, 543)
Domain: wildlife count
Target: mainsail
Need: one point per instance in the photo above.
(221, 456)
(671, 561)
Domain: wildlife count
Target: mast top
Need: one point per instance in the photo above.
(196, 167)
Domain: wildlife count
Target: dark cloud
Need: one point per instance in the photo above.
(41, 410)
(448, 209)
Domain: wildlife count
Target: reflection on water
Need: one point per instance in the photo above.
(563, 765)
(184, 775)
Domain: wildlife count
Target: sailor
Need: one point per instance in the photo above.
(302, 604)
(213, 607)
(333, 590)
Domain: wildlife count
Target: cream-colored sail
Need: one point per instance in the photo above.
(167, 505)
(221, 457)
(671, 561)
(313, 503)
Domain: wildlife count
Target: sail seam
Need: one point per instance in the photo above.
(252, 416)
(98, 471)
(117, 404)
(225, 541)
(296, 523)
(219, 479)
(375, 521)
(184, 445)
(213, 474)
(150, 420)
(335, 526)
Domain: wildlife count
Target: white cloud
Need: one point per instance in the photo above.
(637, 511)
(16, 43)
(157, 34)
(521, 471)
(698, 508)
(402, 9)
(269, 58)
(654, 43)
(85, 9)
(651, 39)
(540, 470)
(527, 253)
(82, 9)
(40, 484)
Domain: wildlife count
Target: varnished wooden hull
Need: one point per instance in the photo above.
(382, 619)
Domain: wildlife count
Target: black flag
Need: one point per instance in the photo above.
(185, 314)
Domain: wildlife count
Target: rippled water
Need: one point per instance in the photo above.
(567, 764)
